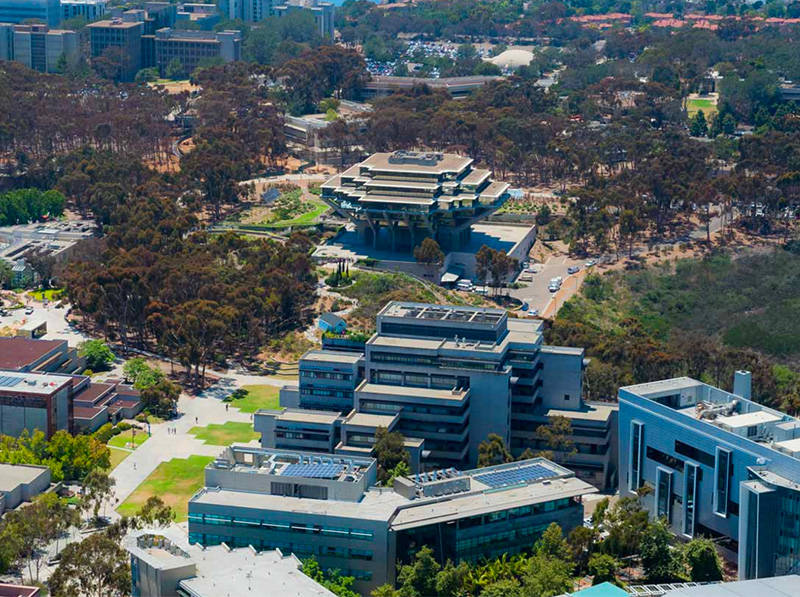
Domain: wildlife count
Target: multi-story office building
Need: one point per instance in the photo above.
(323, 13)
(91, 10)
(44, 49)
(719, 465)
(192, 48)
(446, 377)
(21, 11)
(120, 41)
(325, 506)
(35, 401)
(248, 10)
(204, 16)
(397, 199)
(6, 41)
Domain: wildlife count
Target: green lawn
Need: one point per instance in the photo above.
(225, 434)
(258, 397)
(174, 481)
(708, 106)
(50, 294)
(117, 456)
(123, 440)
(305, 219)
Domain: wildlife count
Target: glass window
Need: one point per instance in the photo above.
(664, 494)
(722, 481)
(690, 499)
(637, 439)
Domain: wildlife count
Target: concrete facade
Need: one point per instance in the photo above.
(398, 199)
(328, 509)
(193, 48)
(446, 377)
(41, 48)
(21, 483)
(720, 466)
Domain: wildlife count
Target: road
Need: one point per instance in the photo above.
(57, 326)
(537, 295)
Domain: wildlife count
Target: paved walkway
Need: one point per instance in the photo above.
(193, 411)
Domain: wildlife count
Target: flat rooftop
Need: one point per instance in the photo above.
(307, 416)
(387, 390)
(366, 420)
(220, 569)
(332, 356)
(419, 162)
(38, 384)
(19, 352)
(748, 419)
(448, 313)
(14, 475)
(115, 24)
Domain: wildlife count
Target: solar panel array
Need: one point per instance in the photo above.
(313, 471)
(514, 476)
(6, 381)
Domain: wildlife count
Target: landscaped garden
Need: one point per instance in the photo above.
(125, 440)
(290, 209)
(174, 481)
(225, 434)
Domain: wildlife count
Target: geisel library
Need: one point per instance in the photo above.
(398, 199)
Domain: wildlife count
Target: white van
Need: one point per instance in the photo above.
(464, 285)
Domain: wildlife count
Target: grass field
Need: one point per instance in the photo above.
(50, 294)
(258, 396)
(708, 106)
(123, 440)
(174, 481)
(225, 434)
(117, 456)
(306, 219)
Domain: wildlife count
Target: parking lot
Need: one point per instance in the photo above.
(57, 327)
(537, 295)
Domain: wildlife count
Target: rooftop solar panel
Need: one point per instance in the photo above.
(313, 471)
(515, 476)
(6, 381)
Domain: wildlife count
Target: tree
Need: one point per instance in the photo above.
(43, 263)
(97, 488)
(175, 69)
(140, 374)
(401, 470)
(703, 560)
(547, 576)
(603, 568)
(553, 544)
(698, 126)
(429, 253)
(147, 75)
(389, 450)
(419, 578)
(661, 562)
(97, 354)
(161, 398)
(557, 434)
(493, 451)
(581, 541)
(330, 579)
(95, 567)
(483, 263)
(155, 512)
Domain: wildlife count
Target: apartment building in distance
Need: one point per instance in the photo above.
(192, 48)
(91, 10)
(40, 48)
(719, 465)
(312, 504)
(445, 377)
(398, 199)
(22, 11)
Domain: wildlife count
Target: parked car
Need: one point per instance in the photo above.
(525, 306)
(553, 287)
(533, 312)
(591, 263)
(464, 285)
(574, 269)
(28, 310)
(558, 280)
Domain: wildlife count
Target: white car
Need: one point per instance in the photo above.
(464, 285)
(591, 263)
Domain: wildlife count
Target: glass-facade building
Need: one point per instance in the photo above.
(718, 465)
(20, 11)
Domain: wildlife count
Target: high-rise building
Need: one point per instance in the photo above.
(249, 10)
(120, 42)
(6, 41)
(192, 48)
(718, 465)
(312, 504)
(397, 199)
(91, 10)
(20, 11)
(445, 377)
(43, 49)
